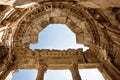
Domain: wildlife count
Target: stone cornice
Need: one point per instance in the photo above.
(59, 53)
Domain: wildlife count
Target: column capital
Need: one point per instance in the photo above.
(43, 67)
(73, 66)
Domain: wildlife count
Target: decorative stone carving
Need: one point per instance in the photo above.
(59, 53)
(94, 23)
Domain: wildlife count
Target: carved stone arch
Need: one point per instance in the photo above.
(38, 24)
(94, 23)
(77, 26)
(73, 17)
(93, 30)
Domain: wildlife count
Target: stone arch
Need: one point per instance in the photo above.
(74, 17)
(77, 26)
(101, 24)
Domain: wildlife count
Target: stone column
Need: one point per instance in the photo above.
(41, 71)
(75, 72)
(112, 71)
(6, 72)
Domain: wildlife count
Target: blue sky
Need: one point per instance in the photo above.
(25, 75)
(86, 74)
(57, 36)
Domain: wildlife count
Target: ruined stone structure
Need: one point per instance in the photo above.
(96, 24)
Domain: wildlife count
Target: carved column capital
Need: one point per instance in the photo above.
(73, 66)
(43, 67)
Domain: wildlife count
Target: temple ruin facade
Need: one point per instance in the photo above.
(96, 24)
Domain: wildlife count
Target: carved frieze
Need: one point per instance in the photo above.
(94, 26)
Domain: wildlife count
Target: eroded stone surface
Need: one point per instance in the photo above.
(95, 24)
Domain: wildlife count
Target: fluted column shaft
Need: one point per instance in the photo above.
(41, 71)
(75, 72)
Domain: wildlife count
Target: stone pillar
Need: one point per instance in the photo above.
(113, 72)
(6, 72)
(75, 72)
(41, 71)
(10, 75)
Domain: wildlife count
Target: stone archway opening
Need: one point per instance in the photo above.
(58, 37)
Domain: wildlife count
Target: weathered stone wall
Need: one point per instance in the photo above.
(95, 24)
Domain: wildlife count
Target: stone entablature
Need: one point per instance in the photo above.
(95, 24)
(59, 53)
(27, 58)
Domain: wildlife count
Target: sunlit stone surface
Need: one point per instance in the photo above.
(96, 24)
